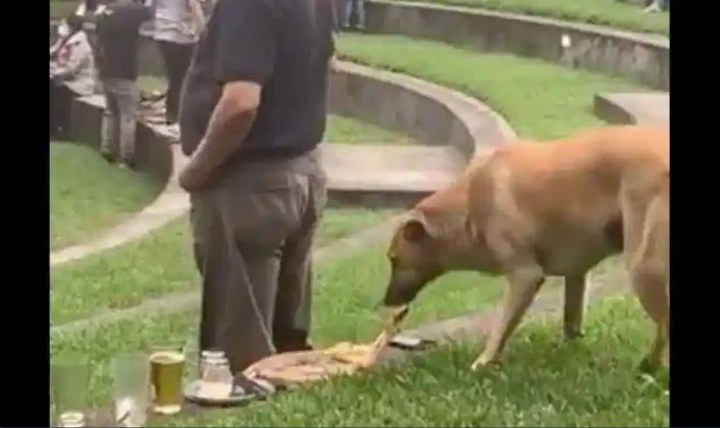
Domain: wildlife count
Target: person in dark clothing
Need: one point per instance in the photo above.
(253, 112)
(177, 25)
(117, 48)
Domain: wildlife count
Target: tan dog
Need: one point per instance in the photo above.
(531, 209)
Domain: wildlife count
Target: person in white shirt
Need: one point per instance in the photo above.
(177, 27)
(72, 54)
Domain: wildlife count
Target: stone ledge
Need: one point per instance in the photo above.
(643, 57)
(431, 114)
(76, 116)
(651, 108)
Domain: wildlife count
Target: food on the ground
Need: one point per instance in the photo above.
(366, 355)
(344, 357)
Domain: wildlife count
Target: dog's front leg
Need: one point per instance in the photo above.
(574, 311)
(523, 284)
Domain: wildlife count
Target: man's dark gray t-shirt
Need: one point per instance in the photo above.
(283, 45)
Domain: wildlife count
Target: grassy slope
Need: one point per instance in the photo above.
(88, 195)
(586, 383)
(344, 130)
(539, 99)
(544, 382)
(344, 296)
(600, 12)
(155, 265)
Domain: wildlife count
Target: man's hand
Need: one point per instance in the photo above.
(191, 180)
(230, 123)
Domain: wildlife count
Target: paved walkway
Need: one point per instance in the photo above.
(646, 108)
(185, 301)
(170, 204)
(391, 168)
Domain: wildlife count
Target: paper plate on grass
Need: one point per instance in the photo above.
(225, 394)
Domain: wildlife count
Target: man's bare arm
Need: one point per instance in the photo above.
(229, 125)
(243, 62)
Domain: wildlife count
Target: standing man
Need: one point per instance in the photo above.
(253, 113)
(177, 25)
(117, 39)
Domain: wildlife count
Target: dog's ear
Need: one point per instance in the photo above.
(414, 230)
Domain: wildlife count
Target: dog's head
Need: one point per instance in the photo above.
(415, 256)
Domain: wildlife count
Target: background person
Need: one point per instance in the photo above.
(73, 56)
(118, 37)
(354, 14)
(253, 112)
(177, 25)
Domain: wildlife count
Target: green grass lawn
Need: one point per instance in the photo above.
(62, 9)
(88, 195)
(344, 130)
(345, 294)
(539, 99)
(544, 381)
(156, 265)
(601, 12)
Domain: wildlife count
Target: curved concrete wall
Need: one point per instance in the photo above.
(645, 58)
(428, 113)
(431, 114)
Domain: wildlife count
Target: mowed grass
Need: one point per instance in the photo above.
(345, 130)
(160, 263)
(539, 99)
(345, 293)
(544, 381)
(88, 195)
(62, 9)
(611, 13)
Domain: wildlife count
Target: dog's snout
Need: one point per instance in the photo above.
(399, 294)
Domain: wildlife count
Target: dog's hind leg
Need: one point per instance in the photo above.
(650, 286)
(646, 254)
(575, 299)
(519, 294)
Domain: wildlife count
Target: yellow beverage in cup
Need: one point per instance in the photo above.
(166, 371)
